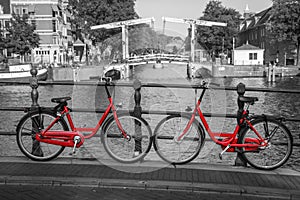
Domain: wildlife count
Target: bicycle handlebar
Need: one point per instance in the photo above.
(207, 84)
(106, 79)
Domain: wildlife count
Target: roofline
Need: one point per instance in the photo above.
(251, 18)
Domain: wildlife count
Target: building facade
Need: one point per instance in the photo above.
(253, 29)
(248, 55)
(52, 25)
(4, 20)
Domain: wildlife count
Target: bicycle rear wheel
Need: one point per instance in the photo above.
(278, 150)
(122, 149)
(31, 124)
(178, 152)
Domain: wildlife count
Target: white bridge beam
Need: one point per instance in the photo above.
(192, 23)
(124, 25)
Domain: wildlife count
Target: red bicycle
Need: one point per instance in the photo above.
(42, 134)
(263, 141)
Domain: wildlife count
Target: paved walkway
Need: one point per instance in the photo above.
(67, 178)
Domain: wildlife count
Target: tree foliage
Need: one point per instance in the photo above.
(21, 36)
(217, 39)
(285, 22)
(94, 12)
(2, 45)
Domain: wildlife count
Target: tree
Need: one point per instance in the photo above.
(95, 12)
(285, 22)
(21, 38)
(218, 39)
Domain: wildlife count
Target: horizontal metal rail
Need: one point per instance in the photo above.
(156, 85)
(149, 112)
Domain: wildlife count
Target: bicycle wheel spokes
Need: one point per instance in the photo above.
(175, 151)
(278, 149)
(122, 149)
(26, 132)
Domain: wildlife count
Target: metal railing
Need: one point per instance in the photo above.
(137, 85)
(137, 111)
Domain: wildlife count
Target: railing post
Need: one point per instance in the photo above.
(36, 148)
(137, 112)
(34, 85)
(241, 88)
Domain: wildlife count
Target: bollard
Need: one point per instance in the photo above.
(274, 73)
(188, 71)
(36, 148)
(241, 88)
(269, 73)
(137, 112)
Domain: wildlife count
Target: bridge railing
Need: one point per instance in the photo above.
(158, 57)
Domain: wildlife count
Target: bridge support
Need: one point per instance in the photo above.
(127, 70)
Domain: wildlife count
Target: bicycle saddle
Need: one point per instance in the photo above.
(60, 99)
(249, 100)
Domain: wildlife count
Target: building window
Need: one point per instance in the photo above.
(54, 25)
(17, 11)
(54, 40)
(33, 23)
(6, 24)
(252, 56)
(25, 11)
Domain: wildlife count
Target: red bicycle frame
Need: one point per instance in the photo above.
(74, 137)
(229, 141)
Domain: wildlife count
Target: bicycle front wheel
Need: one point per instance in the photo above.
(31, 124)
(122, 149)
(173, 151)
(279, 147)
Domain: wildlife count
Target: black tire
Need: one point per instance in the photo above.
(178, 152)
(121, 149)
(27, 129)
(276, 153)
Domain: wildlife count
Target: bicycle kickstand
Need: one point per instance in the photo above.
(76, 141)
(221, 154)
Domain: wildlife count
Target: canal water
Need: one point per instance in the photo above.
(159, 99)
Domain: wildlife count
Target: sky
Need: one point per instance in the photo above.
(192, 9)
